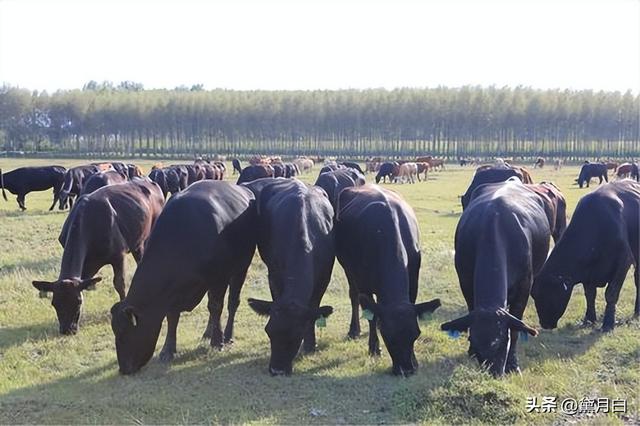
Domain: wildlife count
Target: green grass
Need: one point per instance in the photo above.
(47, 378)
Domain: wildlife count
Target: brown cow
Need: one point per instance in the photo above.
(436, 163)
(624, 170)
(423, 168)
(425, 159)
(611, 165)
(555, 206)
(539, 163)
(101, 228)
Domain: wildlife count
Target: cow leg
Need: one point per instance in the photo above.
(56, 197)
(118, 277)
(169, 348)
(309, 342)
(374, 344)
(611, 294)
(354, 326)
(20, 199)
(137, 254)
(606, 178)
(636, 278)
(233, 301)
(215, 305)
(590, 292)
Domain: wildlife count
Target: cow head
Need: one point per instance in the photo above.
(490, 335)
(399, 329)
(551, 295)
(136, 336)
(287, 325)
(67, 300)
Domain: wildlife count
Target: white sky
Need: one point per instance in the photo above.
(330, 44)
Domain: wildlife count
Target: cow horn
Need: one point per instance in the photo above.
(4, 194)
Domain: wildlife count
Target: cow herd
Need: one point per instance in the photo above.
(203, 238)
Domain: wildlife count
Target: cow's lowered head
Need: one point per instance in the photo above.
(67, 299)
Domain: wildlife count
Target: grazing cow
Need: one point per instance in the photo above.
(377, 244)
(389, 170)
(436, 163)
(489, 175)
(591, 170)
(74, 179)
(278, 170)
(611, 165)
(597, 249)
(24, 180)
(539, 163)
(352, 165)
(304, 164)
(134, 171)
(100, 179)
(407, 172)
(213, 224)
(557, 164)
(555, 206)
(291, 170)
(254, 172)
(635, 172)
(624, 170)
(296, 242)
(101, 228)
(423, 168)
(501, 242)
(335, 181)
(171, 179)
(237, 167)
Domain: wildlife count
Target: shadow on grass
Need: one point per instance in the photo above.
(46, 330)
(203, 385)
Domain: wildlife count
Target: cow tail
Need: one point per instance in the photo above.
(4, 194)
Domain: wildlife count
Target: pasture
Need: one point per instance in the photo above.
(51, 379)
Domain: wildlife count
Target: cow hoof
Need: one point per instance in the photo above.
(218, 346)
(228, 340)
(588, 323)
(607, 328)
(353, 335)
(166, 356)
(375, 352)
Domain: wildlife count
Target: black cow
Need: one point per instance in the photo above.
(377, 244)
(24, 180)
(171, 179)
(635, 172)
(204, 240)
(489, 175)
(100, 179)
(101, 228)
(237, 167)
(597, 249)
(330, 168)
(74, 179)
(251, 173)
(291, 170)
(501, 242)
(352, 165)
(335, 181)
(591, 170)
(278, 170)
(389, 170)
(296, 242)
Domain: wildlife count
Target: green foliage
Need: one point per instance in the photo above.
(125, 119)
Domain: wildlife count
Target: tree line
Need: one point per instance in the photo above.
(127, 120)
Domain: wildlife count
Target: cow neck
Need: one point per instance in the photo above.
(75, 254)
(490, 271)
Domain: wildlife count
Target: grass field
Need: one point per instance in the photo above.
(51, 379)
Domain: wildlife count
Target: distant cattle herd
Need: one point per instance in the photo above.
(203, 239)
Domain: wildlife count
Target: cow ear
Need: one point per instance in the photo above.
(519, 325)
(461, 324)
(369, 304)
(261, 307)
(84, 284)
(324, 312)
(45, 286)
(427, 307)
(131, 315)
